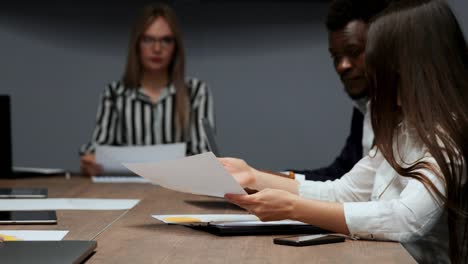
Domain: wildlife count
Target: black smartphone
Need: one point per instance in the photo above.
(307, 240)
(23, 193)
(27, 217)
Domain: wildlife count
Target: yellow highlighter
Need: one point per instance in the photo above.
(9, 238)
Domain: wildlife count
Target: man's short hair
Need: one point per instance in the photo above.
(341, 12)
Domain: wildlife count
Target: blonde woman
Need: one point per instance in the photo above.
(153, 103)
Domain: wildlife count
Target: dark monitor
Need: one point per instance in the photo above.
(5, 138)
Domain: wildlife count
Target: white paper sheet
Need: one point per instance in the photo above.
(111, 157)
(199, 174)
(221, 220)
(66, 204)
(119, 179)
(260, 223)
(44, 171)
(32, 235)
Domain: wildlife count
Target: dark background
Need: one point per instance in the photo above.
(278, 100)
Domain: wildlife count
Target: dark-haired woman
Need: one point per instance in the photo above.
(417, 68)
(153, 103)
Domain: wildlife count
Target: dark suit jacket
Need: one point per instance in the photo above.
(349, 156)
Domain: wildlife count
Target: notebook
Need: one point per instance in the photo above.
(239, 224)
(46, 252)
(255, 230)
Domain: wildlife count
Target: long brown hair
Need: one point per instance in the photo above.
(417, 67)
(134, 72)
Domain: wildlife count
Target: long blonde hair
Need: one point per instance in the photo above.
(134, 70)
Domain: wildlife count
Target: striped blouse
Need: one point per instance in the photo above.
(128, 117)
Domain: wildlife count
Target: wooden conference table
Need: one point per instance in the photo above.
(133, 236)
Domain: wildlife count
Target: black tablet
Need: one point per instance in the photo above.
(23, 193)
(27, 217)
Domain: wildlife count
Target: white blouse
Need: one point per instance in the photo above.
(378, 202)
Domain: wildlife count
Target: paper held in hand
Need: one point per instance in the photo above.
(200, 174)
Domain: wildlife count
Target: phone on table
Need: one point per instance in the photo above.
(27, 217)
(23, 193)
(307, 240)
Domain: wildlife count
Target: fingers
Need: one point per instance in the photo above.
(224, 161)
(241, 199)
(86, 170)
(252, 204)
(88, 158)
(234, 197)
(227, 161)
(267, 205)
(88, 165)
(249, 203)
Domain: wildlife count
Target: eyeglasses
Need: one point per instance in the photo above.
(164, 42)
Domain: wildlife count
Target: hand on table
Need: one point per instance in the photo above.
(88, 165)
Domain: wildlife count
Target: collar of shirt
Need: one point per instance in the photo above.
(361, 104)
(166, 92)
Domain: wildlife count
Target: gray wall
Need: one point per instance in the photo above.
(278, 100)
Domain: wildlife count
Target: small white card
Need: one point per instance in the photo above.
(66, 204)
(119, 179)
(32, 235)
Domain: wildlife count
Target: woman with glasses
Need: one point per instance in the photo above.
(153, 103)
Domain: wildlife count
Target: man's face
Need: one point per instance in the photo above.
(347, 47)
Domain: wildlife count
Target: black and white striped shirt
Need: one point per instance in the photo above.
(127, 117)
